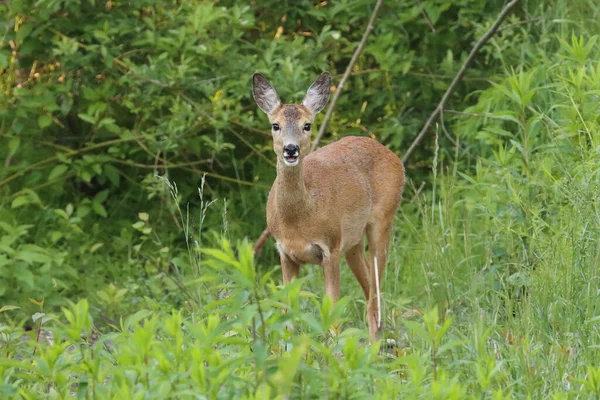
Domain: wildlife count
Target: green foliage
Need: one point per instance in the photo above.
(134, 161)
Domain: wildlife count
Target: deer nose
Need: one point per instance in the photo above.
(292, 150)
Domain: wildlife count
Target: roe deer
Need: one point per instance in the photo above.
(323, 203)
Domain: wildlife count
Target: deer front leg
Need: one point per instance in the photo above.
(331, 270)
(289, 269)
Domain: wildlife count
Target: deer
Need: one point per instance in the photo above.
(323, 203)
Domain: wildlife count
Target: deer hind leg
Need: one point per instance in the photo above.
(378, 234)
(359, 267)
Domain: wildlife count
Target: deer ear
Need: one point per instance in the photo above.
(317, 94)
(264, 93)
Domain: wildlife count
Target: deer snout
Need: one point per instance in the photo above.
(291, 153)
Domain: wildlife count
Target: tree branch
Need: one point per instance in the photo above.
(488, 116)
(507, 8)
(340, 87)
(75, 152)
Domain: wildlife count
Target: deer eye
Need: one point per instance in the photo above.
(275, 127)
(307, 127)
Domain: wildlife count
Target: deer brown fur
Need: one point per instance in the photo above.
(323, 203)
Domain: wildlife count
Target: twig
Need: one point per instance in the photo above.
(426, 17)
(130, 163)
(353, 60)
(507, 8)
(468, 114)
(450, 138)
(184, 166)
(254, 149)
(413, 73)
(43, 185)
(526, 21)
(249, 128)
(251, 146)
(68, 154)
(417, 192)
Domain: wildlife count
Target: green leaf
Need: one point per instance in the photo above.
(112, 174)
(25, 276)
(20, 201)
(83, 211)
(44, 121)
(138, 225)
(99, 209)
(96, 246)
(37, 316)
(29, 197)
(40, 315)
(87, 118)
(86, 175)
(3, 60)
(56, 236)
(135, 318)
(13, 146)
(37, 302)
(418, 330)
(9, 390)
(101, 197)
(31, 254)
(450, 345)
(57, 171)
(312, 323)
(24, 31)
(8, 308)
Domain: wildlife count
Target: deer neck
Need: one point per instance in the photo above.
(292, 195)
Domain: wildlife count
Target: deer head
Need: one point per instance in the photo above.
(291, 124)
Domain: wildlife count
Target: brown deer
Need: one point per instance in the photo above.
(323, 203)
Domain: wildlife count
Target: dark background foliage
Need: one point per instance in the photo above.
(100, 97)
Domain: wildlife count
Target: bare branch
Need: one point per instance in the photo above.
(534, 21)
(340, 87)
(489, 116)
(426, 17)
(450, 138)
(507, 8)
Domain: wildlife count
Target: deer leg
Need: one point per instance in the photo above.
(331, 270)
(379, 237)
(289, 269)
(358, 265)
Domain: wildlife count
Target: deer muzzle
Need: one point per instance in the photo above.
(291, 154)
